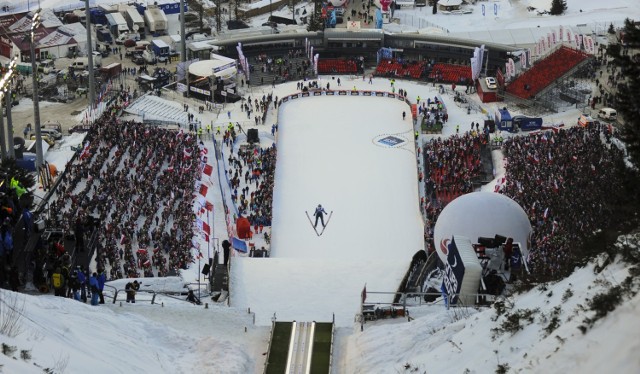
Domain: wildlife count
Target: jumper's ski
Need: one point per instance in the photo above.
(311, 222)
(326, 223)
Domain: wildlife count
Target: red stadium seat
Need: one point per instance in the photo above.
(545, 72)
(448, 73)
(336, 66)
(401, 70)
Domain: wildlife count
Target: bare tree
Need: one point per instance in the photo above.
(11, 312)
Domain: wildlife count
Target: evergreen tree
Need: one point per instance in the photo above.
(316, 22)
(558, 7)
(435, 6)
(628, 87)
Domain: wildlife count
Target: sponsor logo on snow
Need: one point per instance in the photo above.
(391, 141)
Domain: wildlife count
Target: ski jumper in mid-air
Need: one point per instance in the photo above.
(319, 213)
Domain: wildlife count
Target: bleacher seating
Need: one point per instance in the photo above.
(394, 68)
(448, 73)
(336, 66)
(545, 72)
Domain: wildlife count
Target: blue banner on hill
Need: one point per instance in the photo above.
(516, 259)
(453, 272)
(239, 245)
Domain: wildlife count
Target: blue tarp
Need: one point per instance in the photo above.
(378, 19)
(239, 245)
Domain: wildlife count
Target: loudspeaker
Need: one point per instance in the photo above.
(487, 242)
(499, 239)
(205, 269)
(252, 136)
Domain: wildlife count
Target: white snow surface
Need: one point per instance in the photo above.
(172, 336)
(335, 158)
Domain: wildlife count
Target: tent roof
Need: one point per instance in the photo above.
(483, 214)
(450, 2)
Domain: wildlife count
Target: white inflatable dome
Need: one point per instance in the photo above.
(337, 3)
(482, 214)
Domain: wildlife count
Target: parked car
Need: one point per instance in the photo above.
(52, 133)
(63, 98)
(138, 60)
(492, 84)
(608, 114)
(45, 138)
(79, 128)
(52, 126)
(47, 67)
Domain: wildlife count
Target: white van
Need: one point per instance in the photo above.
(608, 114)
(46, 66)
(80, 63)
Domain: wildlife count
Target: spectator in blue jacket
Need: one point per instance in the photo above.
(93, 284)
(27, 219)
(82, 282)
(101, 279)
(7, 242)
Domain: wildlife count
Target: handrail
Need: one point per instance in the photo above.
(292, 342)
(333, 339)
(266, 362)
(153, 298)
(115, 293)
(406, 295)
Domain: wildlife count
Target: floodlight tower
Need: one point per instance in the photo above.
(92, 91)
(5, 82)
(8, 104)
(183, 45)
(35, 23)
(5, 85)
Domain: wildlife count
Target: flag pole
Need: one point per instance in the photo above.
(210, 235)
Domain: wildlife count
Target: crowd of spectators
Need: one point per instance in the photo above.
(137, 182)
(260, 105)
(294, 65)
(251, 174)
(451, 164)
(432, 112)
(567, 183)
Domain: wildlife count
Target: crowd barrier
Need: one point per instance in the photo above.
(323, 92)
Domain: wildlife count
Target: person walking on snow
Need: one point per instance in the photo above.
(319, 213)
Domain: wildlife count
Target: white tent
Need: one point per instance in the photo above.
(482, 214)
(449, 4)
